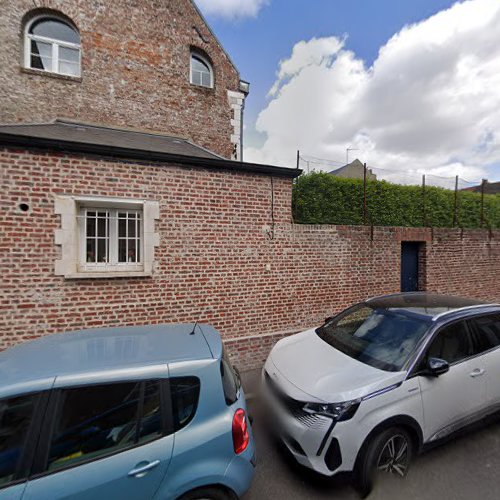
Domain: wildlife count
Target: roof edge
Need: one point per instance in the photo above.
(204, 19)
(30, 142)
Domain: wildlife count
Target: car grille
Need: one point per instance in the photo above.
(294, 407)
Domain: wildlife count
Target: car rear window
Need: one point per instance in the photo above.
(230, 380)
(185, 395)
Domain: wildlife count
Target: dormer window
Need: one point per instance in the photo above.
(52, 45)
(201, 71)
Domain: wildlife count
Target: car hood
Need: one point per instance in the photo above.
(309, 369)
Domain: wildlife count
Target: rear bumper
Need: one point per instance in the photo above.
(241, 470)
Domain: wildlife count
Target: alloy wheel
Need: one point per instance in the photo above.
(394, 455)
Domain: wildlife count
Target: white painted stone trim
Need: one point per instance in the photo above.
(236, 102)
(67, 236)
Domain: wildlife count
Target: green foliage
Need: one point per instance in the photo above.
(321, 198)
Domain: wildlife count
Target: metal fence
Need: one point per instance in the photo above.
(367, 172)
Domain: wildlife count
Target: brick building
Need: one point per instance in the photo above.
(152, 66)
(140, 217)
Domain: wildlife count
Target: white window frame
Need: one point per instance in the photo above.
(72, 237)
(55, 44)
(195, 55)
(112, 239)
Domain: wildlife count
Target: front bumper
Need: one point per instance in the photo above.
(315, 441)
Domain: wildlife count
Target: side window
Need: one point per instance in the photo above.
(230, 380)
(100, 420)
(150, 426)
(486, 332)
(452, 343)
(16, 415)
(185, 394)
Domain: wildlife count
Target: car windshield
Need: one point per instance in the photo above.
(382, 338)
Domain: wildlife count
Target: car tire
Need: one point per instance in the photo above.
(390, 451)
(209, 493)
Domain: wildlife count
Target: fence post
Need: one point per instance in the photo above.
(483, 183)
(455, 209)
(364, 194)
(424, 215)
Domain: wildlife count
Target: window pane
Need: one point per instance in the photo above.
(151, 426)
(102, 227)
(131, 228)
(94, 421)
(131, 257)
(69, 55)
(487, 331)
(198, 65)
(41, 55)
(206, 80)
(122, 228)
(185, 393)
(67, 68)
(90, 224)
(451, 344)
(53, 28)
(196, 78)
(91, 250)
(122, 250)
(102, 254)
(15, 418)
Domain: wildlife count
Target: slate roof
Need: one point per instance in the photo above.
(69, 136)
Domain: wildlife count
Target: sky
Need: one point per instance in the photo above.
(410, 86)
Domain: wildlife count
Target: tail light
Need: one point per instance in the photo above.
(241, 438)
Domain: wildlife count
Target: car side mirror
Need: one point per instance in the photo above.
(436, 367)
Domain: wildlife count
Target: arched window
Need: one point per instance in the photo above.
(52, 45)
(201, 71)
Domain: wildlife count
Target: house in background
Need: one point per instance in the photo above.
(489, 188)
(154, 67)
(354, 170)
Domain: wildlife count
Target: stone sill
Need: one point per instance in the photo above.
(58, 76)
(108, 274)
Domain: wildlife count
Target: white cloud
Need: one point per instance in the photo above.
(232, 9)
(429, 103)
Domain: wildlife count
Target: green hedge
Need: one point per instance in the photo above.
(321, 198)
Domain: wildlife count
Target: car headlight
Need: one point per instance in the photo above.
(337, 411)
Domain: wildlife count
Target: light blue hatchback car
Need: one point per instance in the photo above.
(135, 413)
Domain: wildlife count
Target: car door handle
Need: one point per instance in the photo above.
(477, 372)
(141, 471)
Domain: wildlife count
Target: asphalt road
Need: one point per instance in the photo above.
(468, 468)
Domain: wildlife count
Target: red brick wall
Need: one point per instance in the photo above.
(218, 260)
(135, 70)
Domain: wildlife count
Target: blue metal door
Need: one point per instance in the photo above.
(409, 266)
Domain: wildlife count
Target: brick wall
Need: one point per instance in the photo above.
(135, 70)
(219, 260)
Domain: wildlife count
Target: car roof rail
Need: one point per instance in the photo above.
(466, 308)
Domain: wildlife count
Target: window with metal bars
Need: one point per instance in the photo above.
(111, 237)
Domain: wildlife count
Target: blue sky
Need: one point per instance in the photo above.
(258, 42)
